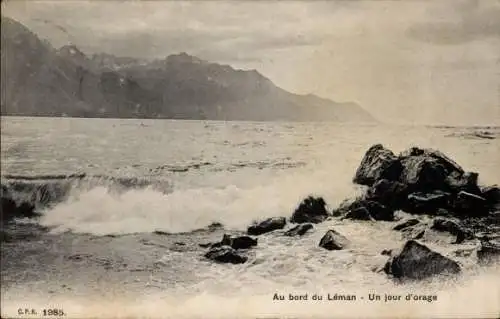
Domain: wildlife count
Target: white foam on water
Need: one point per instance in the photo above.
(100, 211)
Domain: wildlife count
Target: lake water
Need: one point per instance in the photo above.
(181, 176)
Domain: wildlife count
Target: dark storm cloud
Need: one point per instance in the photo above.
(474, 20)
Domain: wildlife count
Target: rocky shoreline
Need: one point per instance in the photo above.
(441, 198)
(421, 182)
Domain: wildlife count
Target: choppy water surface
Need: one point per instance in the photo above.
(233, 173)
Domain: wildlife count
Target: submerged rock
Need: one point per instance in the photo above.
(333, 240)
(299, 230)
(310, 210)
(407, 223)
(417, 261)
(378, 163)
(267, 225)
(242, 242)
(225, 254)
(452, 227)
(489, 252)
(414, 232)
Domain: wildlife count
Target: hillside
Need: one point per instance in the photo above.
(39, 80)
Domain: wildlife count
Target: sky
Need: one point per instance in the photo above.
(408, 62)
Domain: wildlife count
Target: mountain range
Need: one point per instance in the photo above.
(40, 80)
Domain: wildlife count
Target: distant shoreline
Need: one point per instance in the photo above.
(376, 122)
(191, 119)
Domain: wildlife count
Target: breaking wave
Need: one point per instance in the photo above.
(44, 191)
(101, 210)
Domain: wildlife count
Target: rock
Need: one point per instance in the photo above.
(310, 210)
(467, 204)
(299, 230)
(489, 252)
(422, 174)
(426, 203)
(345, 206)
(225, 254)
(450, 166)
(243, 242)
(267, 225)
(386, 252)
(368, 210)
(414, 232)
(333, 240)
(378, 163)
(465, 182)
(11, 210)
(416, 261)
(452, 227)
(492, 196)
(406, 224)
(379, 211)
(391, 194)
(359, 213)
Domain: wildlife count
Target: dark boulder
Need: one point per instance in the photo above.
(299, 230)
(267, 225)
(225, 254)
(467, 204)
(452, 227)
(422, 173)
(489, 252)
(450, 166)
(407, 223)
(358, 213)
(310, 210)
(416, 261)
(391, 194)
(368, 210)
(333, 240)
(242, 242)
(378, 163)
(426, 203)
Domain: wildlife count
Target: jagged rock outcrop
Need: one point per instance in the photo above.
(378, 163)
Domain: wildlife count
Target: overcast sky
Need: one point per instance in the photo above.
(412, 62)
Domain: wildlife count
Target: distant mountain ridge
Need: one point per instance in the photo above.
(38, 80)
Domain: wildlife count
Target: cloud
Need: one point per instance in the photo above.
(473, 20)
